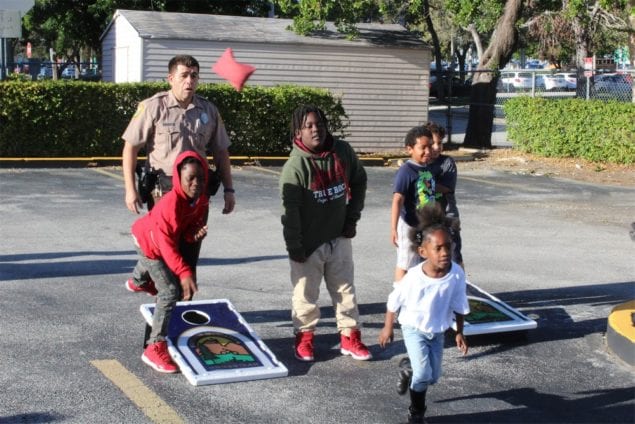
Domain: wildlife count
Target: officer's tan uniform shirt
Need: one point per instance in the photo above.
(166, 129)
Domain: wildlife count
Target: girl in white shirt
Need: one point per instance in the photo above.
(428, 298)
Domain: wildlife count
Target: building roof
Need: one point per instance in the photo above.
(190, 26)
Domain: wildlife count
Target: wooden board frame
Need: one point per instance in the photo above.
(212, 344)
(488, 315)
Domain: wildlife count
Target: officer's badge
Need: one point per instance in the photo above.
(204, 118)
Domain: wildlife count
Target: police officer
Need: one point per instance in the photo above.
(169, 123)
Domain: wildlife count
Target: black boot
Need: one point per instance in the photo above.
(417, 408)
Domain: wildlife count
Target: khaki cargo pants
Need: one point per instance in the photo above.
(332, 261)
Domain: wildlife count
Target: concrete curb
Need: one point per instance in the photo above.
(41, 162)
(620, 332)
(37, 162)
(462, 155)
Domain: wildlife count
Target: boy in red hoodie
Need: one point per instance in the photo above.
(161, 267)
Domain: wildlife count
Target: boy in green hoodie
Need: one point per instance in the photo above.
(323, 186)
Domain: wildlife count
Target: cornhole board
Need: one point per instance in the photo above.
(212, 343)
(488, 315)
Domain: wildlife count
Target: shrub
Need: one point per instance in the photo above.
(86, 119)
(590, 129)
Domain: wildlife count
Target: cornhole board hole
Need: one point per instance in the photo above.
(212, 343)
(489, 314)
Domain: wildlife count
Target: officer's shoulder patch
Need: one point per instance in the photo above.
(139, 110)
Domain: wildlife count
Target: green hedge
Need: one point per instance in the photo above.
(84, 119)
(594, 130)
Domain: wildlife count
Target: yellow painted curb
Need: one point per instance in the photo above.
(620, 332)
(620, 320)
(115, 160)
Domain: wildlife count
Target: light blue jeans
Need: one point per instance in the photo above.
(425, 351)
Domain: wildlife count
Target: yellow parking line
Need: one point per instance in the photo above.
(509, 185)
(109, 174)
(260, 168)
(150, 404)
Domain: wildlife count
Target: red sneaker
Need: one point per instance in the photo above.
(147, 287)
(304, 346)
(352, 345)
(156, 355)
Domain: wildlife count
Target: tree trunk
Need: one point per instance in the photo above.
(461, 55)
(631, 39)
(481, 118)
(483, 95)
(581, 52)
(439, 86)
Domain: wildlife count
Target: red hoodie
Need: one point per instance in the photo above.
(159, 231)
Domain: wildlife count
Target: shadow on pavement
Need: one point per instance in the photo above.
(537, 407)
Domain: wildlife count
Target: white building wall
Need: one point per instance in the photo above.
(121, 53)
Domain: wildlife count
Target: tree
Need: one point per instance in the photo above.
(67, 26)
(311, 15)
(73, 26)
(483, 94)
(490, 23)
(581, 28)
(631, 38)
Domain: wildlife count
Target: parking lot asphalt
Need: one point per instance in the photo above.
(71, 335)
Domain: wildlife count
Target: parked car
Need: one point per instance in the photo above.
(534, 64)
(612, 86)
(555, 82)
(46, 72)
(90, 75)
(68, 72)
(518, 80)
(570, 78)
(459, 88)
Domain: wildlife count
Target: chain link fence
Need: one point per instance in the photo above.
(35, 70)
(600, 85)
(617, 85)
(452, 108)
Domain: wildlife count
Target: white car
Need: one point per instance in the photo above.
(68, 72)
(555, 82)
(571, 79)
(513, 81)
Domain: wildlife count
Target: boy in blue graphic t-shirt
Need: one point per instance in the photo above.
(413, 188)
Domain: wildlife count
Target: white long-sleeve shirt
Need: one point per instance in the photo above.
(429, 304)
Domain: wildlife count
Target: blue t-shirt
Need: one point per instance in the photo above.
(417, 184)
(447, 177)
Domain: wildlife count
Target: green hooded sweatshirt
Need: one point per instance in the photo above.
(322, 194)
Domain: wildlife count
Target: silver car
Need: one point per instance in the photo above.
(612, 86)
